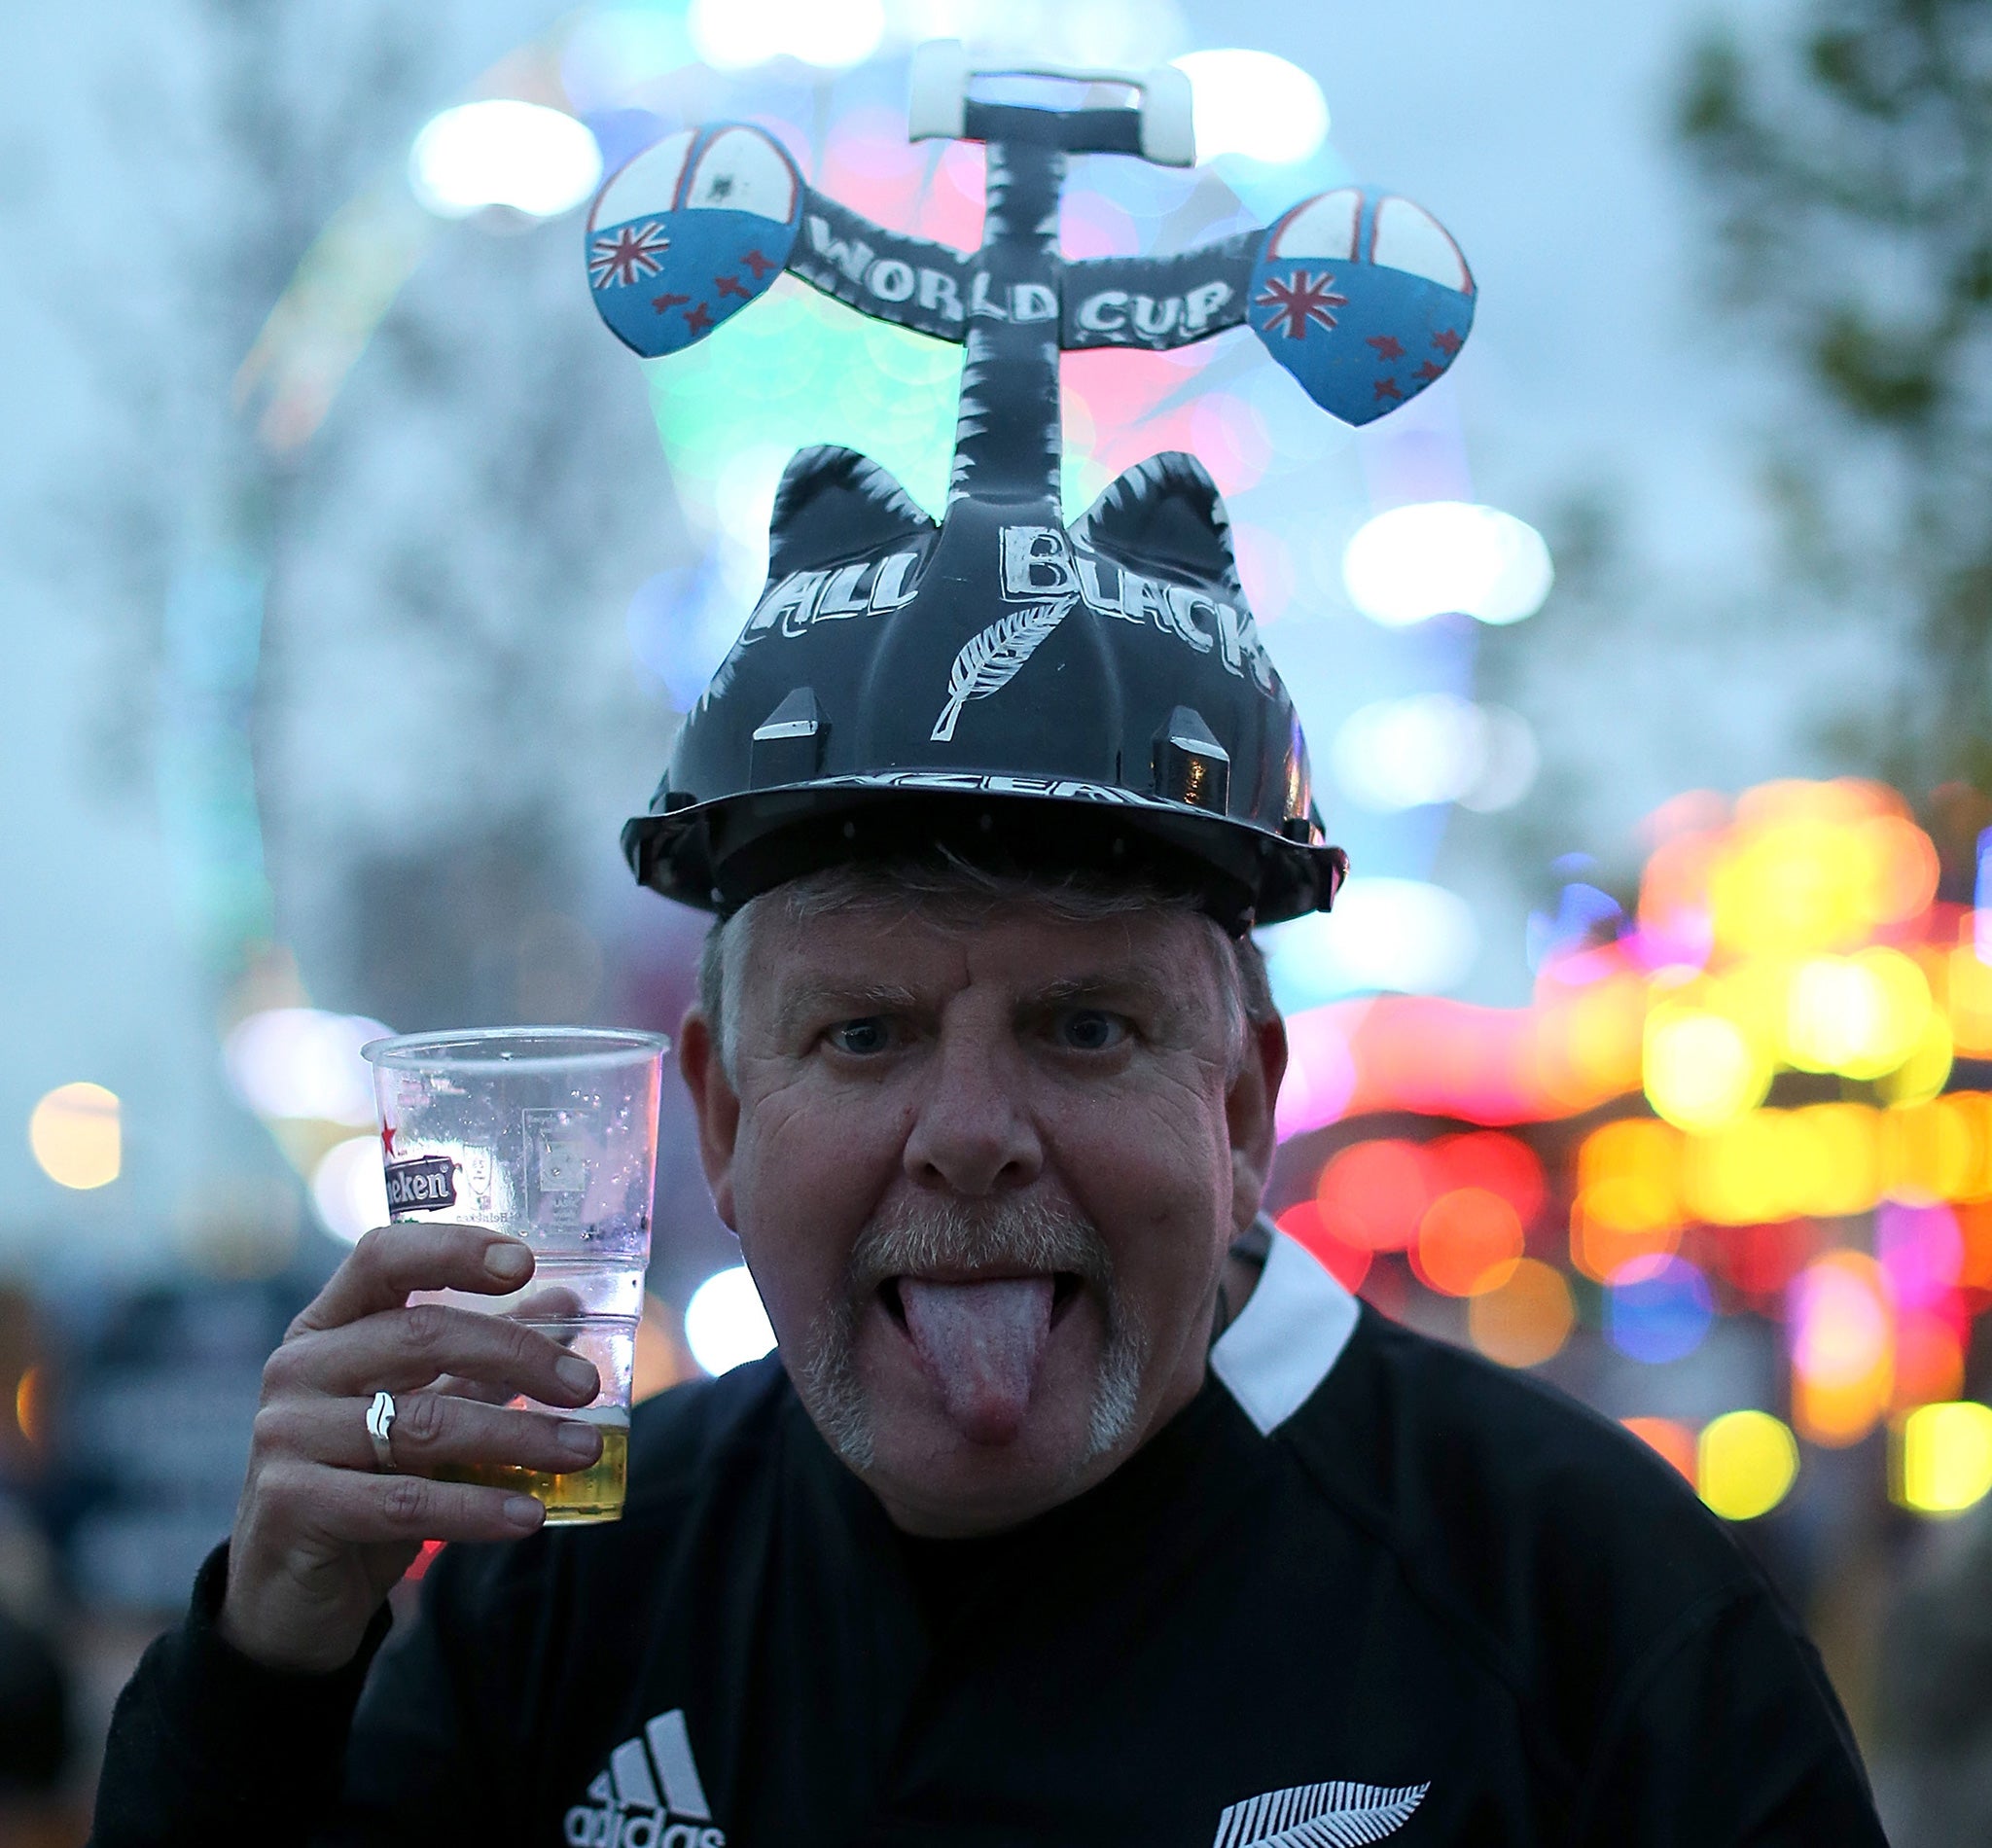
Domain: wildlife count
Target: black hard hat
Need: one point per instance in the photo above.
(1021, 691)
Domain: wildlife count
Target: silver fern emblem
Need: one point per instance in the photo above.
(1319, 1815)
(988, 661)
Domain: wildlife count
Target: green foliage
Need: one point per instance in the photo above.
(1849, 173)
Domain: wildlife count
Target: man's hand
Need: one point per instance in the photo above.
(322, 1535)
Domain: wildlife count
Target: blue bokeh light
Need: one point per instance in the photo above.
(1658, 1309)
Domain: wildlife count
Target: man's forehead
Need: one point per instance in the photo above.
(916, 945)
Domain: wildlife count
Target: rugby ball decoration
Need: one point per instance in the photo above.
(688, 231)
(1364, 298)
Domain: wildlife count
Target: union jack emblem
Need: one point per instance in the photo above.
(631, 252)
(1299, 301)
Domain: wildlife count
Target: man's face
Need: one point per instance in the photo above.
(986, 1178)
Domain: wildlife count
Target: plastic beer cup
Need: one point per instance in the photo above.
(550, 1133)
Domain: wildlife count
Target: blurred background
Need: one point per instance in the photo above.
(354, 581)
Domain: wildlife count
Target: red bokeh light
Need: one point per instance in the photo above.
(1372, 1195)
(1347, 1264)
(1759, 1260)
(1498, 1163)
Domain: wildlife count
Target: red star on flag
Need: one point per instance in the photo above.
(662, 302)
(698, 317)
(1297, 303)
(1386, 345)
(1388, 388)
(731, 285)
(758, 264)
(1448, 341)
(631, 252)
(1430, 370)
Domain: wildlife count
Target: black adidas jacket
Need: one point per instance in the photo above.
(1362, 1588)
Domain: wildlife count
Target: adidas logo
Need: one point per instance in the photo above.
(1318, 1816)
(649, 1797)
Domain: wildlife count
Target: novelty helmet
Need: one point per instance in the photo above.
(1030, 691)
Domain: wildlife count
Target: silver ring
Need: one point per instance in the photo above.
(379, 1423)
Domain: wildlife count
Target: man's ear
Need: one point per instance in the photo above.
(1249, 1113)
(716, 1106)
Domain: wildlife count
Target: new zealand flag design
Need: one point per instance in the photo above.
(1363, 298)
(689, 233)
(699, 268)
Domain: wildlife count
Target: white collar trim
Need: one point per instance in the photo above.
(1287, 1336)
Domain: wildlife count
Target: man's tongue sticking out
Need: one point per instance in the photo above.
(981, 1345)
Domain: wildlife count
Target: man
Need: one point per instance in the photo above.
(1076, 1506)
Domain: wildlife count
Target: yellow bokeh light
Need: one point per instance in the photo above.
(1526, 1320)
(1701, 1069)
(1809, 867)
(1634, 1148)
(1943, 1457)
(1923, 1074)
(1745, 1464)
(1969, 999)
(74, 1134)
(1928, 1153)
(1860, 1015)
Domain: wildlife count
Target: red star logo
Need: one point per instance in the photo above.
(758, 264)
(1430, 370)
(1388, 388)
(1386, 345)
(1297, 303)
(1448, 341)
(387, 1139)
(698, 317)
(731, 285)
(662, 302)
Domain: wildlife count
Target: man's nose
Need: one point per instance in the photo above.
(970, 1132)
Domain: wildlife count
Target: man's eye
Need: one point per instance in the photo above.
(861, 1038)
(1090, 1030)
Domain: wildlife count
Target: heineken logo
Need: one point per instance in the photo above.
(422, 1185)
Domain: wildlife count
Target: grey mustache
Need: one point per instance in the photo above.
(1025, 1236)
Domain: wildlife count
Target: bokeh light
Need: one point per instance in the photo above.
(1701, 1068)
(724, 1325)
(349, 1190)
(1434, 747)
(301, 1063)
(1943, 1457)
(1745, 1464)
(1669, 1437)
(1372, 1195)
(1436, 557)
(75, 1135)
(1859, 1015)
(732, 35)
(1400, 935)
(1469, 1241)
(1658, 1309)
(1842, 1335)
(502, 152)
(1348, 1264)
(1252, 104)
(1525, 1320)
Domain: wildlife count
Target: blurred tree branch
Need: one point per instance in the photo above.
(1849, 169)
